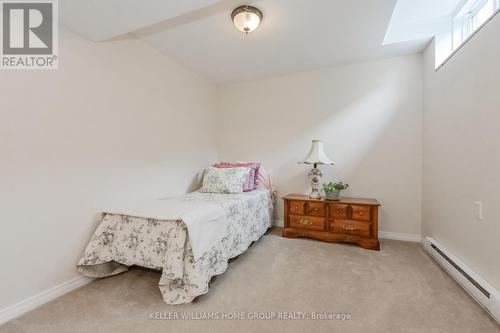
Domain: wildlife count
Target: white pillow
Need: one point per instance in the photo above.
(224, 180)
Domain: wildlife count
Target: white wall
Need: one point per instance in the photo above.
(461, 151)
(116, 122)
(369, 116)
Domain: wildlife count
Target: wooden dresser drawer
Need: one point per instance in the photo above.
(338, 211)
(315, 209)
(361, 213)
(297, 207)
(307, 222)
(349, 220)
(347, 227)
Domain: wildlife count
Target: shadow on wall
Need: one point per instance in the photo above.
(196, 182)
(368, 116)
(349, 135)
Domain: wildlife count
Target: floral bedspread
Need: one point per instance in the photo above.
(120, 241)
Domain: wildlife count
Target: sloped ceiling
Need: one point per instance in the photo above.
(419, 19)
(99, 20)
(295, 35)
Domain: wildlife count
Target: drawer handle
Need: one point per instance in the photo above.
(315, 209)
(306, 222)
(338, 211)
(349, 228)
(360, 213)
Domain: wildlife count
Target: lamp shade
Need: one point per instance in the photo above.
(317, 154)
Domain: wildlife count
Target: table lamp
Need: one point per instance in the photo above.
(316, 157)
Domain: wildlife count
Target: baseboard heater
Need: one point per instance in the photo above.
(484, 293)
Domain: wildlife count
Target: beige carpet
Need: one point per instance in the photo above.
(399, 289)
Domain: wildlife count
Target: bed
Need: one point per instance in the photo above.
(146, 238)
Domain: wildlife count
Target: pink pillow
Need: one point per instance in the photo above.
(251, 182)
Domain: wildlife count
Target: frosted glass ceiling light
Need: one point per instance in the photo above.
(246, 18)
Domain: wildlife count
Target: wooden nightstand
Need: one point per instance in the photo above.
(348, 220)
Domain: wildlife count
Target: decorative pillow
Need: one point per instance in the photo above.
(224, 180)
(253, 166)
(250, 181)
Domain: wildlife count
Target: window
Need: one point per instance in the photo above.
(482, 14)
(470, 17)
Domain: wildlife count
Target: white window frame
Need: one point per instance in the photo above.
(462, 20)
(480, 5)
(460, 30)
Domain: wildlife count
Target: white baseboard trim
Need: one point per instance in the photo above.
(48, 295)
(381, 234)
(400, 236)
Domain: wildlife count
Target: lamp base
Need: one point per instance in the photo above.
(315, 194)
(315, 176)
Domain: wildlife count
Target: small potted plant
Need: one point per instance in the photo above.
(332, 190)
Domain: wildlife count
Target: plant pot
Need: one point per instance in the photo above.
(334, 195)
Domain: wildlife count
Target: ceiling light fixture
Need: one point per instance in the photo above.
(246, 18)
